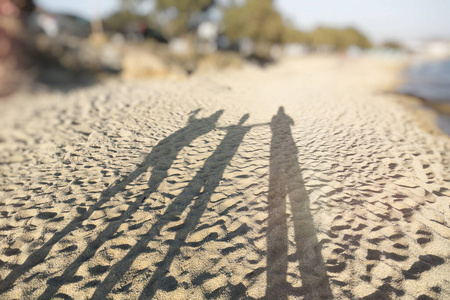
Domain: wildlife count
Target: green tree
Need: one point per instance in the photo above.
(392, 45)
(352, 37)
(324, 36)
(339, 38)
(293, 35)
(173, 17)
(257, 20)
(186, 14)
(120, 19)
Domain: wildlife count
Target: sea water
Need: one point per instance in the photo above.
(430, 81)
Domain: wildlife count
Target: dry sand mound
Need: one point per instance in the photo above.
(297, 182)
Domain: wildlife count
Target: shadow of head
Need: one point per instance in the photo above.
(194, 112)
(217, 115)
(281, 118)
(212, 118)
(243, 119)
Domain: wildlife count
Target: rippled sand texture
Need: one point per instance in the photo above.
(299, 181)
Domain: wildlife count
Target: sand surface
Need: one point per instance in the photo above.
(300, 181)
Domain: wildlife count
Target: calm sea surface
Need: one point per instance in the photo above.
(430, 81)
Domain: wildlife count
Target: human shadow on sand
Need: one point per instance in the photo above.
(160, 158)
(286, 182)
(195, 195)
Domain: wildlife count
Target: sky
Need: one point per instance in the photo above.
(84, 8)
(380, 20)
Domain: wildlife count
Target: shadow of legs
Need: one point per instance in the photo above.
(167, 148)
(209, 177)
(286, 182)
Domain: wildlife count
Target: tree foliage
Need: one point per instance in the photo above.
(257, 20)
(263, 24)
(339, 38)
(392, 45)
(293, 35)
(173, 18)
(121, 19)
(185, 17)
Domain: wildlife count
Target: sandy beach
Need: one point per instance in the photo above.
(303, 180)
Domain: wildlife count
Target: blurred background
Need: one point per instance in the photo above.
(66, 44)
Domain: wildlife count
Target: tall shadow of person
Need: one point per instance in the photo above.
(285, 181)
(197, 194)
(161, 158)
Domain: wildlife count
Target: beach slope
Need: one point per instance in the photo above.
(302, 181)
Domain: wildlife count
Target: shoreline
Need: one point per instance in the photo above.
(433, 116)
(426, 114)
